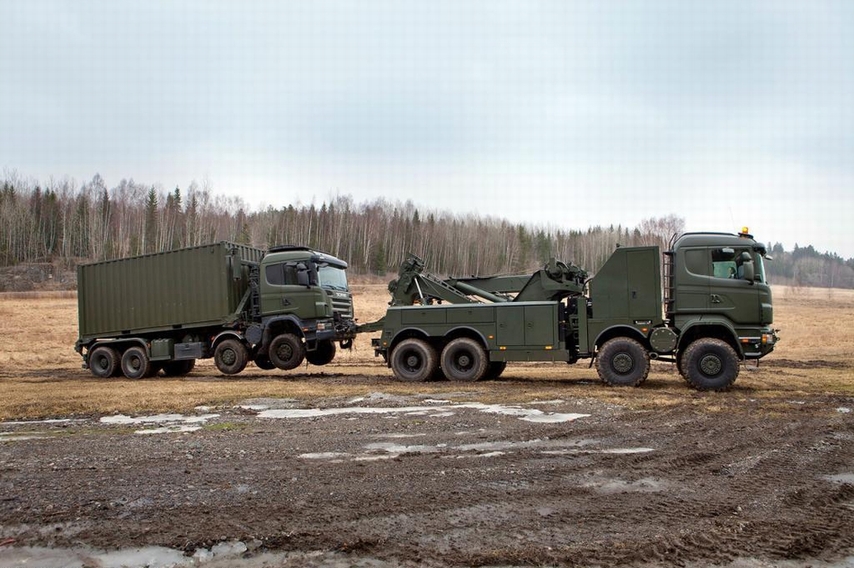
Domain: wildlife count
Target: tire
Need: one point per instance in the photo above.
(464, 359)
(104, 362)
(286, 351)
(135, 363)
(414, 360)
(230, 356)
(710, 364)
(494, 370)
(324, 353)
(178, 368)
(622, 362)
(263, 362)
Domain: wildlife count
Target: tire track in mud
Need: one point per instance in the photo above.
(716, 486)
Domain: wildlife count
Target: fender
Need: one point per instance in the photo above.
(288, 321)
(121, 341)
(406, 333)
(620, 330)
(722, 325)
(469, 331)
(227, 333)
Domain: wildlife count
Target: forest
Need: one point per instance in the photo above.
(66, 223)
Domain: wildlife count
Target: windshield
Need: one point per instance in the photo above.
(332, 278)
(759, 262)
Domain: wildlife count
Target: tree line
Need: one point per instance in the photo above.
(64, 222)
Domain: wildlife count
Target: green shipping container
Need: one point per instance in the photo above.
(181, 289)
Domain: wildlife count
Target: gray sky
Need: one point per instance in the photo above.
(561, 113)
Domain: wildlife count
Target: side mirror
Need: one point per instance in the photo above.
(747, 271)
(302, 275)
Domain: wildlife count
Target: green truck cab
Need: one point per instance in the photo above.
(704, 304)
(232, 302)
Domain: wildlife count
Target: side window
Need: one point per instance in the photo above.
(275, 274)
(282, 274)
(725, 262)
(290, 274)
(697, 261)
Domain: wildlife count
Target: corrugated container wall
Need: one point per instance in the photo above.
(186, 288)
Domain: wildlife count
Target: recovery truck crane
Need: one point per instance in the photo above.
(712, 311)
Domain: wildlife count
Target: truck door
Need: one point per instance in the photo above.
(286, 289)
(692, 292)
(730, 295)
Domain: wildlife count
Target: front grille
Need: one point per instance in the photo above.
(342, 304)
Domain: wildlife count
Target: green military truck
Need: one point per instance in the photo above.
(708, 310)
(140, 315)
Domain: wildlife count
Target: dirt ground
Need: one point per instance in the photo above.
(345, 467)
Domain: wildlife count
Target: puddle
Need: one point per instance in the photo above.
(437, 411)
(605, 451)
(20, 437)
(169, 423)
(386, 450)
(49, 421)
(610, 486)
(840, 478)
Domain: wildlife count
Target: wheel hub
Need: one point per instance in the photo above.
(464, 361)
(622, 363)
(228, 357)
(711, 365)
(412, 362)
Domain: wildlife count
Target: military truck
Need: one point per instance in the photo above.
(140, 315)
(707, 311)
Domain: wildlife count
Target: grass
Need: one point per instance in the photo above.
(41, 375)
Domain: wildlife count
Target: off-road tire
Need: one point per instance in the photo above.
(494, 370)
(710, 364)
(263, 362)
(104, 362)
(230, 356)
(286, 351)
(414, 360)
(324, 353)
(178, 368)
(464, 359)
(622, 362)
(135, 363)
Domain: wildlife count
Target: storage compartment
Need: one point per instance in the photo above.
(189, 350)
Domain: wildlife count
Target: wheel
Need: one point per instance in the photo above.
(494, 370)
(414, 360)
(622, 362)
(286, 351)
(230, 356)
(680, 366)
(710, 364)
(135, 363)
(178, 368)
(103, 362)
(464, 359)
(324, 353)
(263, 362)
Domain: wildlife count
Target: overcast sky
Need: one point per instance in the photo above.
(563, 113)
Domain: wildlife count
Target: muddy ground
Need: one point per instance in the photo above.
(438, 479)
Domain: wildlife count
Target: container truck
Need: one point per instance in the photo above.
(235, 303)
(707, 311)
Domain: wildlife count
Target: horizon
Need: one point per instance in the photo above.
(559, 114)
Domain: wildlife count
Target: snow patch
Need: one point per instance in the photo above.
(169, 423)
(526, 414)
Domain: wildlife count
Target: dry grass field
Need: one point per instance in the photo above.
(342, 466)
(41, 375)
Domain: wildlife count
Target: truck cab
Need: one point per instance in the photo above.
(299, 280)
(717, 284)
